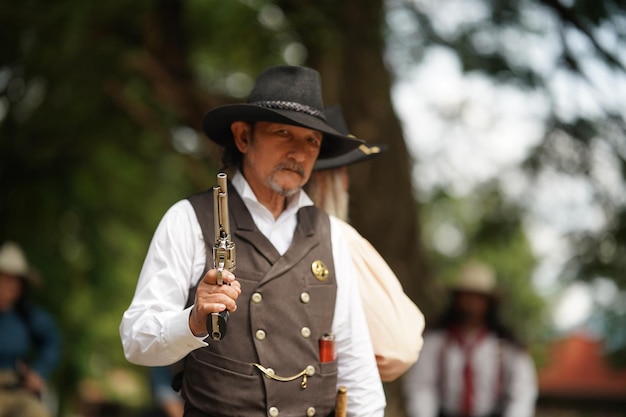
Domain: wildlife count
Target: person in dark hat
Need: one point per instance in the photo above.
(29, 339)
(330, 182)
(396, 333)
(471, 364)
(296, 330)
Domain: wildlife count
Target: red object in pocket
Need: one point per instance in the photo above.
(327, 348)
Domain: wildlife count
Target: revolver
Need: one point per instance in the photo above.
(223, 252)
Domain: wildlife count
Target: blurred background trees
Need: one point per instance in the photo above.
(550, 75)
(101, 103)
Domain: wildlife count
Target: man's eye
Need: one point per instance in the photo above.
(315, 141)
(283, 132)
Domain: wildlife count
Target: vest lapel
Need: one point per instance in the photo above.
(245, 229)
(306, 237)
(304, 240)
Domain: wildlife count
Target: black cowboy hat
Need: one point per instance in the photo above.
(365, 151)
(281, 94)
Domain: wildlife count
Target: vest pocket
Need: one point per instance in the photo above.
(223, 364)
(328, 369)
(221, 386)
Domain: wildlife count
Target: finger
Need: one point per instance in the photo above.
(218, 303)
(210, 293)
(231, 292)
(203, 309)
(216, 307)
(211, 277)
(206, 291)
(235, 286)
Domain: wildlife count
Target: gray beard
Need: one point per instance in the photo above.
(283, 191)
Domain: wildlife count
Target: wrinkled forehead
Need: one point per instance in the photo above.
(267, 127)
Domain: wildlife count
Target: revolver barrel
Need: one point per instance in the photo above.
(223, 252)
(224, 248)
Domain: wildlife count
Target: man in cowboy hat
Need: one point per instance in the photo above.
(471, 365)
(24, 328)
(394, 321)
(295, 282)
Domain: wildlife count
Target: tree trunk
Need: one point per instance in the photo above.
(347, 48)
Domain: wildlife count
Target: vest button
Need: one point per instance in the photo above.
(260, 334)
(310, 412)
(273, 412)
(305, 297)
(257, 297)
(310, 370)
(305, 332)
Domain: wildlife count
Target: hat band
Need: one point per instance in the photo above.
(290, 105)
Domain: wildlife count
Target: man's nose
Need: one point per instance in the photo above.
(298, 151)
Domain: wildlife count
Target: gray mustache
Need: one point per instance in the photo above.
(291, 166)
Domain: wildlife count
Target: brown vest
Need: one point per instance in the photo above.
(282, 312)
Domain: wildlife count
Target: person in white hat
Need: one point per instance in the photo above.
(24, 329)
(395, 322)
(471, 364)
(295, 286)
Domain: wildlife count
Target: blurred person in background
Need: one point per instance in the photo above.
(471, 364)
(395, 322)
(166, 401)
(29, 339)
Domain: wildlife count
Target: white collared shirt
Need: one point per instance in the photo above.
(426, 394)
(278, 231)
(155, 327)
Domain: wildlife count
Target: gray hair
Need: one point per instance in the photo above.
(327, 190)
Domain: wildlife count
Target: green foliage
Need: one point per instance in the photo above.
(87, 166)
(485, 228)
(82, 183)
(583, 136)
(91, 92)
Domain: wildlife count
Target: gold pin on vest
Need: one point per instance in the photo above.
(320, 272)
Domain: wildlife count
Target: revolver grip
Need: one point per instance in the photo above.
(216, 325)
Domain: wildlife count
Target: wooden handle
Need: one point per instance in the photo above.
(341, 404)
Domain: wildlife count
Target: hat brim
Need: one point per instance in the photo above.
(217, 122)
(32, 277)
(363, 153)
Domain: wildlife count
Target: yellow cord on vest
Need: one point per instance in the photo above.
(308, 371)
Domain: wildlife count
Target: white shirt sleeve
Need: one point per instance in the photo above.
(355, 355)
(421, 380)
(155, 327)
(522, 385)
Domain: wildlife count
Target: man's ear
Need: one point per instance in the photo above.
(241, 134)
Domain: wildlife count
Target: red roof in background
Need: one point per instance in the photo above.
(576, 367)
